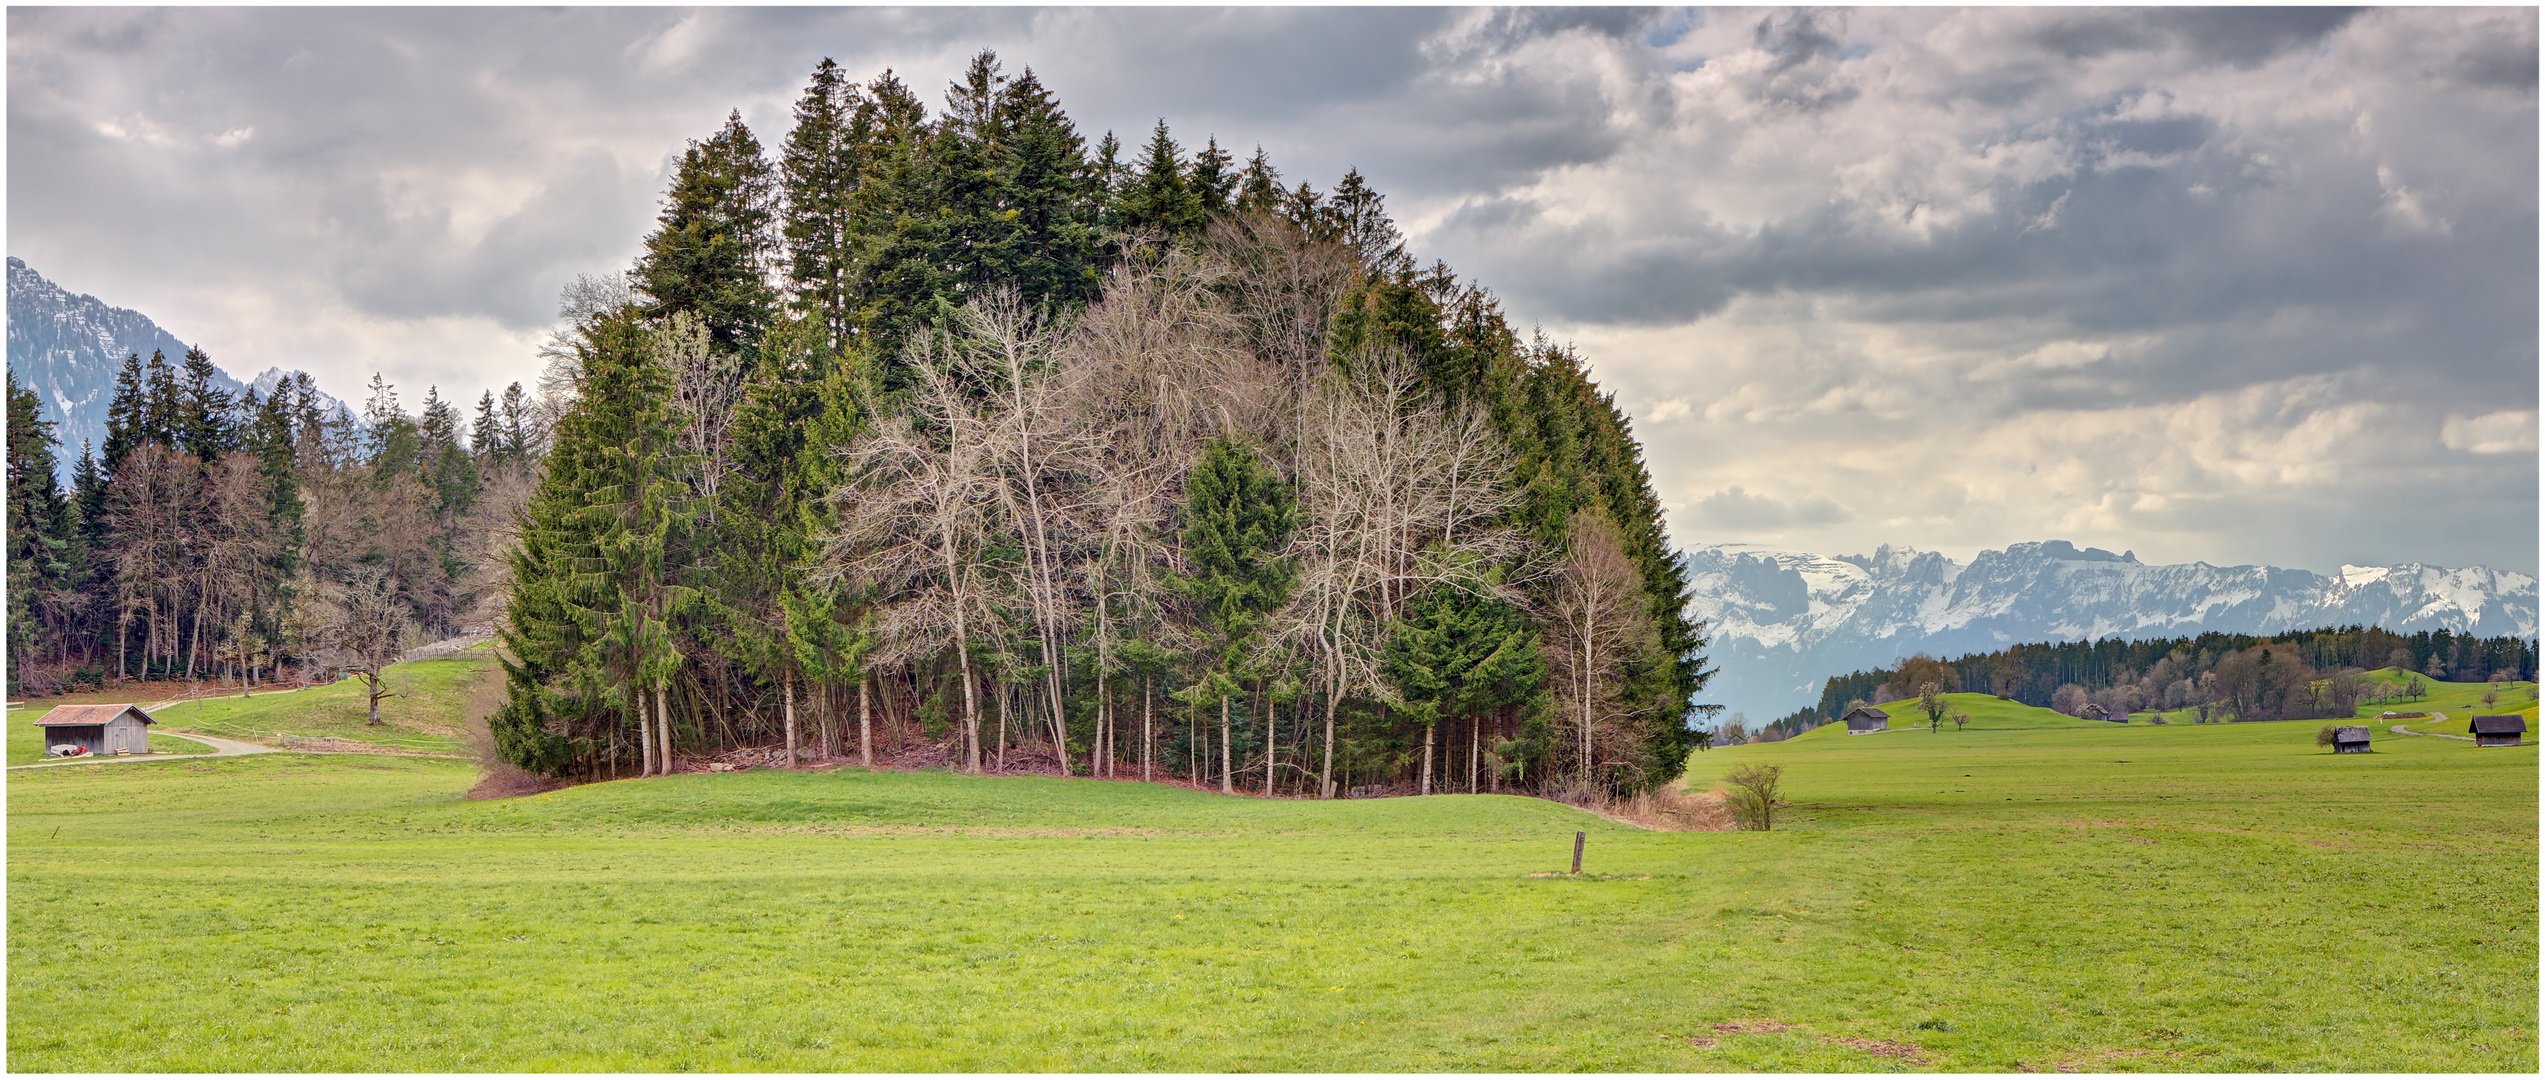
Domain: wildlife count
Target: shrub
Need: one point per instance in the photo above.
(1754, 796)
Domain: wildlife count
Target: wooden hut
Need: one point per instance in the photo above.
(101, 729)
(2093, 711)
(2350, 739)
(2497, 730)
(1866, 720)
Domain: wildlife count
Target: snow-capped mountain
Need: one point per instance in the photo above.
(1783, 621)
(66, 346)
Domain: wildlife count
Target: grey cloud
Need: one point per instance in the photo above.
(2201, 208)
(1733, 508)
(2240, 36)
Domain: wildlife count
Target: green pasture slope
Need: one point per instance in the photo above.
(2093, 897)
(424, 716)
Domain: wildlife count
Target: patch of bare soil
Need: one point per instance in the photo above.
(1909, 1053)
(1701, 1042)
(1754, 1027)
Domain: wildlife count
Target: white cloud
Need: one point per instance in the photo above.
(2511, 432)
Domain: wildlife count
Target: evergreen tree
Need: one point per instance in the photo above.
(1054, 194)
(1454, 655)
(818, 173)
(1160, 195)
(1259, 189)
(1238, 518)
(587, 632)
(1214, 183)
(203, 423)
(42, 531)
(710, 252)
(123, 412)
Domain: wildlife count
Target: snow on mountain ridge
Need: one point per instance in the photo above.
(1783, 621)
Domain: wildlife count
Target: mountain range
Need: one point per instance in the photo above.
(1782, 622)
(65, 346)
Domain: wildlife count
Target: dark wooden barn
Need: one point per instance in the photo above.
(2093, 711)
(2350, 739)
(2497, 730)
(101, 729)
(1866, 720)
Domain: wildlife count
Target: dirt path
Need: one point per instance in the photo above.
(220, 748)
(2399, 729)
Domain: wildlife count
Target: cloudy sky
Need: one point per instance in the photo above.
(2231, 285)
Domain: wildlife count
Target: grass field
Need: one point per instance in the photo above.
(432, 697)
(2097, 897)
(426, 715)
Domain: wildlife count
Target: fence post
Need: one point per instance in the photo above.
(1577, 852)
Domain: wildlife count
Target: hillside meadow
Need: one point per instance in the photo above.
(2032, 892)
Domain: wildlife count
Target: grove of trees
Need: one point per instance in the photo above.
(2296, 675)
(253, 540)
(951, 439)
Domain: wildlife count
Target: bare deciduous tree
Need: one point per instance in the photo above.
(1597, 624)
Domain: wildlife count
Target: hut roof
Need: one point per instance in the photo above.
(1866, 712)
(89, 715)
(2501, 724)
(2350, 733)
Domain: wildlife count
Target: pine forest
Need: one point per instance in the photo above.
(936, 439)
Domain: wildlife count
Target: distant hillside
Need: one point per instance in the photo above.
(65, 346)
(1784, 621)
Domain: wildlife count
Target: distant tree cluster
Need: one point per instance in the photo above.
(2297, 675)
(950, 439)
(252, 539)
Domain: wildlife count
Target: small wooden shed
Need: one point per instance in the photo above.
(2093, 711)
(2350, 739)
(2497, 730)
(1865, 720)
(102, 729)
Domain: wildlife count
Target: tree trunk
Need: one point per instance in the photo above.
(663, 716)
(1148, 744)
(1271, 744)
(971, 705)
(865, 722)
(645, 732)
(1227, 776)
(1430, 733)
(998, 754)
(789, 682)
(1475, 743)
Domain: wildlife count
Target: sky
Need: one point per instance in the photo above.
(2230, 285)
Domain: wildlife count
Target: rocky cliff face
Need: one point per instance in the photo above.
(66, 346)
(1784, 621)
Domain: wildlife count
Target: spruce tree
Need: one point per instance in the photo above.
(1238, 519)
(204, 425)
(1455, 655)
(1160, 195)
(1259, 189)
(818, 174)
(713, 243)
(587, 633)
(42, 535)
(1214, 183)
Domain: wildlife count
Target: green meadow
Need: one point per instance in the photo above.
(2030, 893)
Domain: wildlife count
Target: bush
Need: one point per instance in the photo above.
(1754, 795)
(2324, 737)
